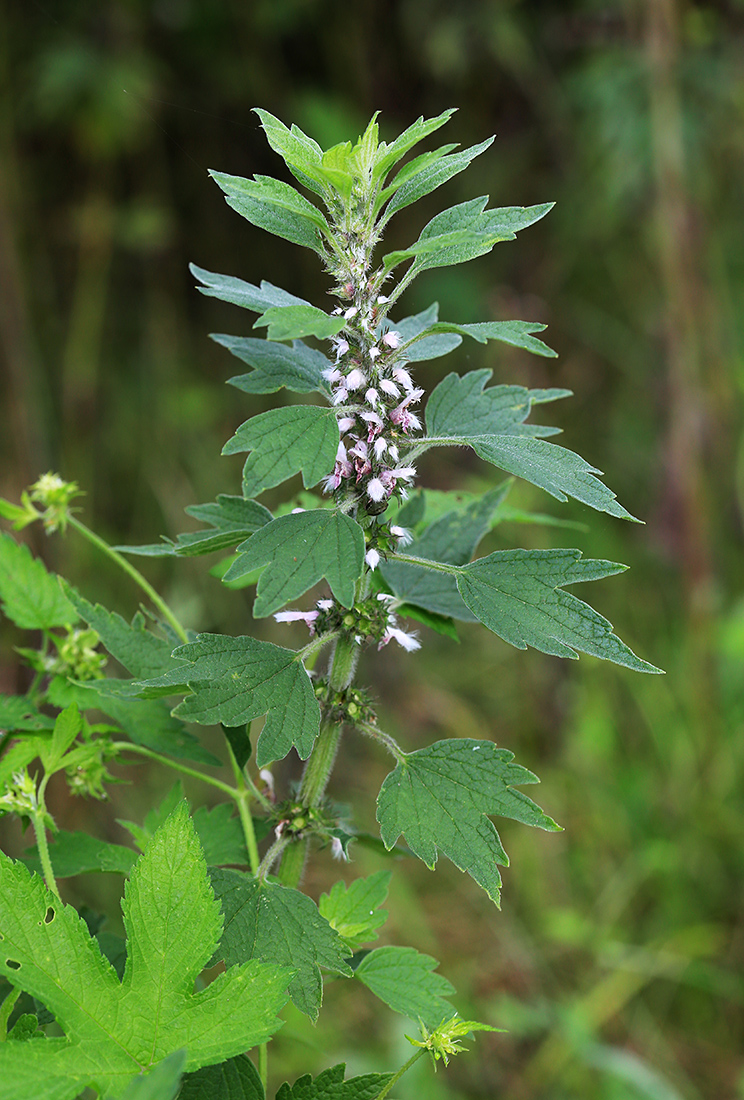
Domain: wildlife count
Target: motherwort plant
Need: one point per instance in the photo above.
(136, 1014)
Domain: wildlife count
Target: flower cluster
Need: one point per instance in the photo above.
(374, 393)
(372, 620)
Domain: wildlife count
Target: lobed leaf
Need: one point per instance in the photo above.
(517, 333)
(299, 368)
(389, 154)
(425, 347)
(295, 321)
(298, 550)
(282, 926)
(276, 207)
(239, 293)
(283, 442)
(403, 978)
(330, 1085)
(439, 799)
(29, 595)
(354, 910)
(433, 176)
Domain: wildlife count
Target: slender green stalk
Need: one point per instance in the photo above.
(244, 813)
(135, 574)
(128, 746)
(397, 1076)
(6, 1010)
(272, 856)
(384, 739)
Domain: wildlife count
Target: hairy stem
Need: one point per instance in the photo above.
(397, 1076)
(135, 574)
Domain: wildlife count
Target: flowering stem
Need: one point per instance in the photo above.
(397, 1076)
(135, 574)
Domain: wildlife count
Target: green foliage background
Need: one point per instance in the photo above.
(616, 963)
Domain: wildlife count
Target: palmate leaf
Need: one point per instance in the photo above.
(239, 293)
(284, 442)
(295, 322)
(276, 207)
(492, 423)
(279, 925)
(439, 799)
(234, 680)
(405, 980)
(452, 538)
(299, 368)
(330, 1085)
(236, 1079)
(29, 595)
(354, 910)
(298, 550)
(117, 1030)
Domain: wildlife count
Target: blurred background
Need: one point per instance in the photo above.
(616, 962)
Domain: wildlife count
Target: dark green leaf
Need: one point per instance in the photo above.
(239, 293)
(433, 176)
(516, 333)
(276, 207)
(284, 442)
(299, 368)
(403, 978)
(295, 322)
(429, 347)
(239, 740)
(298, 551)
(79, 853)
(330, 1085)
(389, 155)
(29, 595)
(161, 1083)
(518, 595)
(234, 680)
(459, 406)
(354, 910)
(438, 798)
(236, 1079)
(221, 835)
(282, 926)
(442, 624)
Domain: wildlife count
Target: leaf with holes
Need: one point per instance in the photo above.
(283, 442)
(439, 799)
(115, 1030)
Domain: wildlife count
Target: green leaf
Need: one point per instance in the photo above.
(298, 550)
(403, 978)
(412, 168)
(136, 648)
(236, 1079)
(276, 207)
(516, 333)
(279, 925)
(442, 624)
(497, 434)
(161, 1083)
(156, 817)
(439, 797)
(29, 595)
(18, 714)
(221, 835)
(452, 538)
(429, 347)
(388, 155)
(67, 726)
(303, 156)
(16, 758)
(294, 322)
(239, 293)
(330, 1085)
(433, 176)
(354, 911)
(234, 680)
(517, 594)
(299, 368)
(80, 853)
(232, 519)
(115, 1031)
(284, 442)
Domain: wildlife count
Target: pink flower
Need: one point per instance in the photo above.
(376, 490)
(372, 559)
(389, 387)
(380, 447)
(400, 374)
(355, 379)
(392, 339)
(345, 423)
(409, 642)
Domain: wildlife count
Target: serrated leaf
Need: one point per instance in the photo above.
(330, 1085)
(298, 550)
(439, 799)
(17, 757)
(451, 538)
(433, 176)
(388, 155)
(234, 680)
(161, 1083)
(518, 595)
(299, 368)
(295, 322)
(282, 926)
(235, 1079)
(403, 978)
(419, 164)
(29, 595)
(80, 853)
(492, 423)
(232, 519)
(115, 1031)
(430, 347)
(19, 714)
(136, 648)
(517, 333)
(276, 207)
(303, 156)
(354, 910)
(239, 293)
(283, 442)
(68, 724)
(221, 835)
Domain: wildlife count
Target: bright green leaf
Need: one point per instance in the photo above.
(439, 797)
(234, 680)
(161, 1083)
(354, 910)
(388, 155)
(298, 550)
(518, 595)
(279, 925)
(299, 368)
(284, 442)
(330, 1085)
(29, 595)
(295, 322)
(403, 978)
(67, 726)
(115, 1031)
